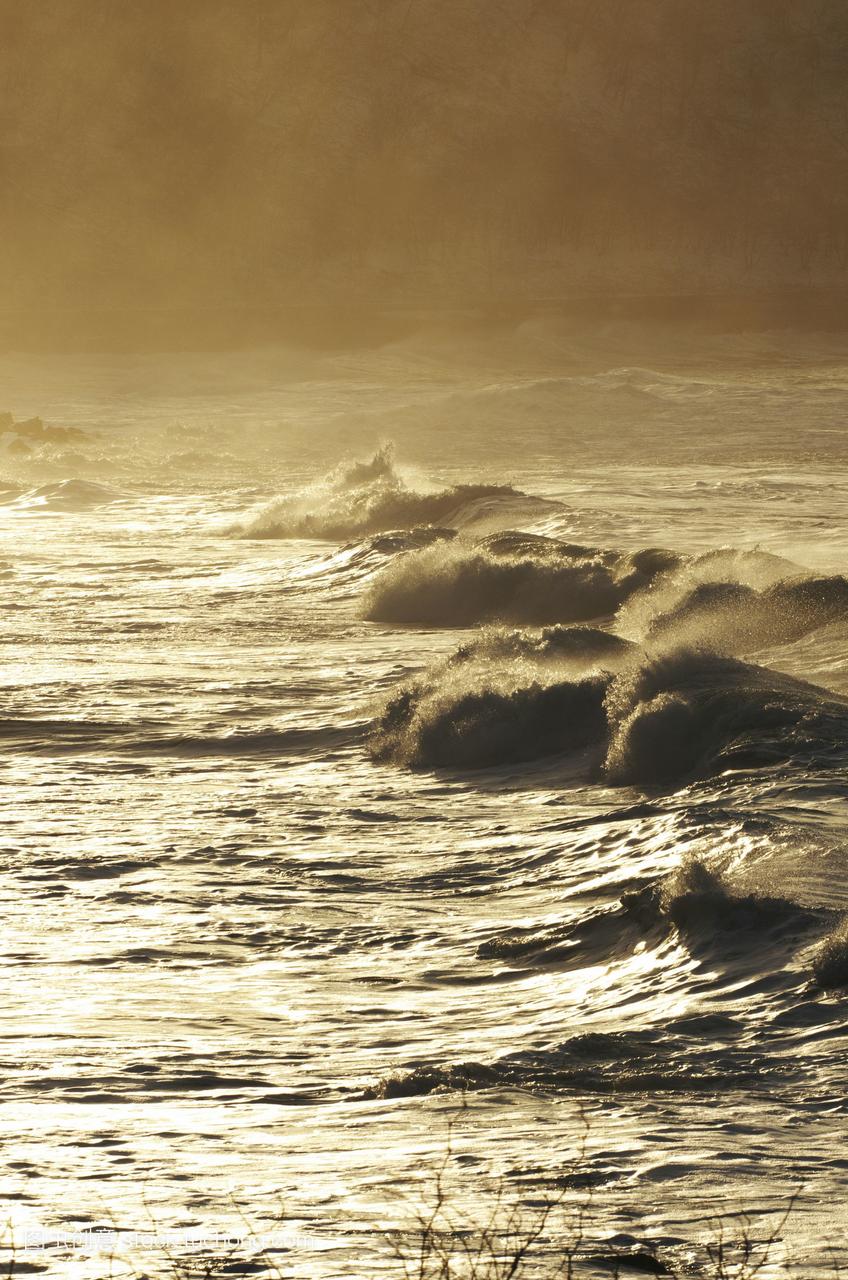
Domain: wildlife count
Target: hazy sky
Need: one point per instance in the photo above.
(213, 152)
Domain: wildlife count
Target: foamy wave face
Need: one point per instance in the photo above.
(575, 647)
(372, 497)
(511, 577)
(731, 602)
(460, 727)
(735, 618)
(701, 905)
(702, 586)
(830, 962)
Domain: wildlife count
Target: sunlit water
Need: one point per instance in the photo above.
(227, 926)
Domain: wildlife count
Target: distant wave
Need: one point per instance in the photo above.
(19, 439)
(372, 497)
(68, 495)
(511, 577)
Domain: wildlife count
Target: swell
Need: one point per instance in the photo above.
(71, 737)
(588, 1063)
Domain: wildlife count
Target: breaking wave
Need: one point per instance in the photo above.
(511, 577)
(433, 726)
(580, 647)
(735, 618)
(695, 902)
(709, 582)
(701, 905)
(373, 497)
(657, 722)
(727, 601)
(830, 962)
(504, 697)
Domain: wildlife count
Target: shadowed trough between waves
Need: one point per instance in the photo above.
(341, 811)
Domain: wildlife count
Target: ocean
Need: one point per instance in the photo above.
(424, 788)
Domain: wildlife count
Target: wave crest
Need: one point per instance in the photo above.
(695, 902)
(582, 647)
(830, 962)
(364, 498)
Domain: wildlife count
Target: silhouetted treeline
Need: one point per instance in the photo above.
(255, 152)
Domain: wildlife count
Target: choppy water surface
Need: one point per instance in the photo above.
(342, 831)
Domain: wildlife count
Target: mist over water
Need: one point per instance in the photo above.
(424, 713)
(195, 174)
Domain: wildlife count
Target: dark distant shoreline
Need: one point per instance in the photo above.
(345, 324)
